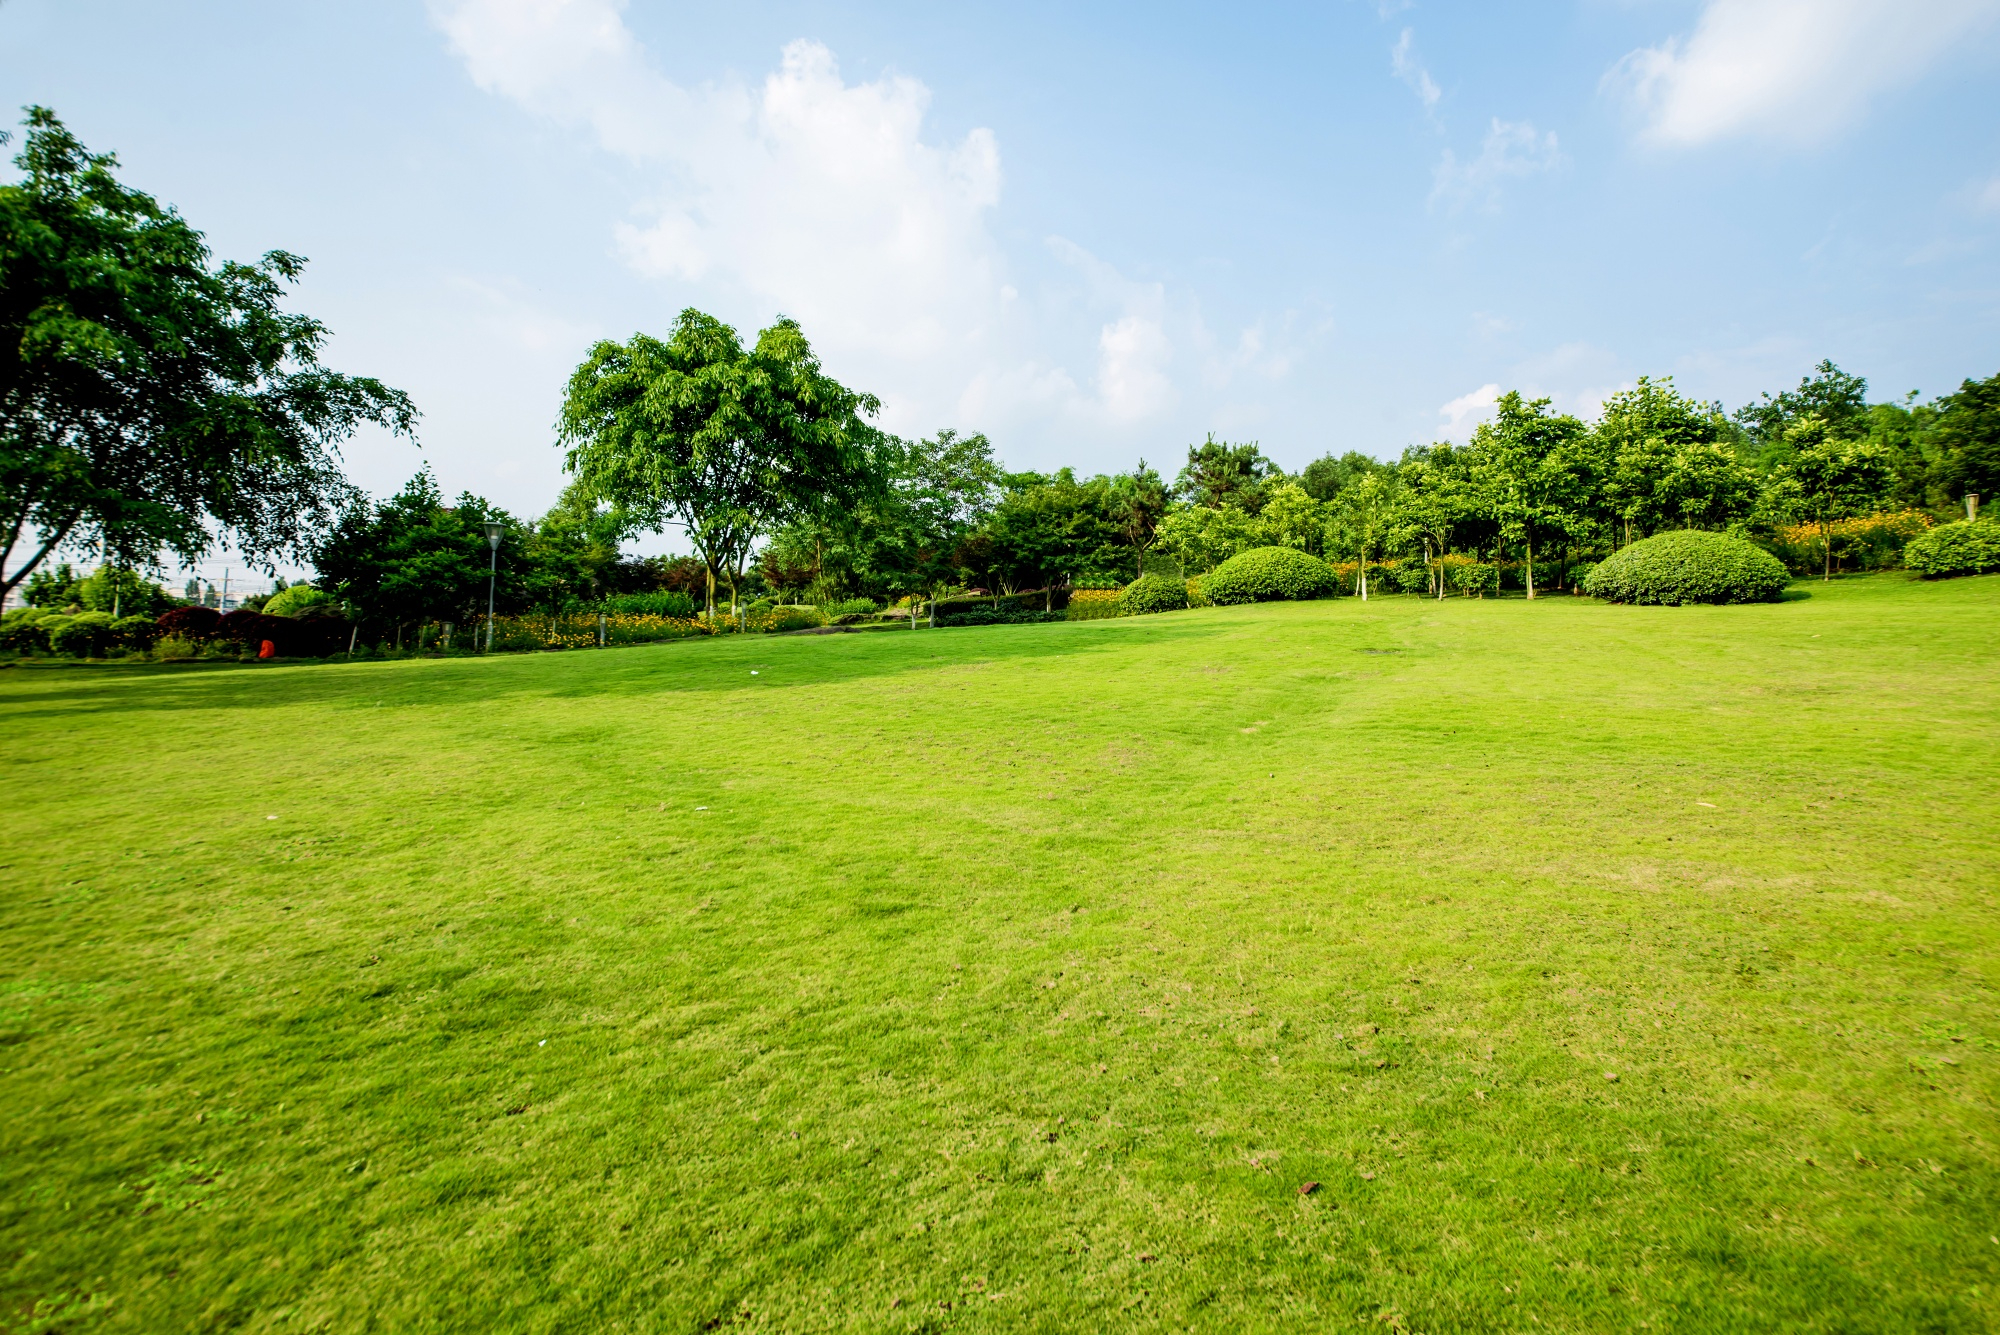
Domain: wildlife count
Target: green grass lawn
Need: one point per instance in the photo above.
(1608, 969)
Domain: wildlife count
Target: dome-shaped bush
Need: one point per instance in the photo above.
(1689, 567)
(1152, 593)
(1964, 548)
(86, 634)
(1263, 574)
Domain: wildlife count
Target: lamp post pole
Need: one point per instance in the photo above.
(493, 532)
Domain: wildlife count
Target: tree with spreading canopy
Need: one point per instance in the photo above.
(151, 400)
(726, 441)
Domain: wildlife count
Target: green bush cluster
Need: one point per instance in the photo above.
(1153, 593)
(1968, 547)
(1475, 579)
(849, 607)
(83, 634)
(1265, 574)
(1689, 566)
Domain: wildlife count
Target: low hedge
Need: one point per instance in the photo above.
(1967, 547)
(998, 616)
(1268, 574)
(1690, 566)
(1153, 593)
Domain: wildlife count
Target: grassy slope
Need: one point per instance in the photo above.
(1027, 970)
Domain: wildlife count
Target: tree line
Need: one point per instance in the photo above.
(157, 402)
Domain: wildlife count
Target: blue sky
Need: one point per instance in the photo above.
(1095, 234)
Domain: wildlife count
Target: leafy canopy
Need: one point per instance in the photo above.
(728, 442)
(149, 399)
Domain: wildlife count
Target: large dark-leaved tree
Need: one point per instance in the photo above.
(151, 400)
(727, 441)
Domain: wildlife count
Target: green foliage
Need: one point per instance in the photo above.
(660, 603)
(730, 442)
(86, 635)
(21, 630)
(299, 600)
(1325, 478)
(150, 398)
(850, 607)
(136, 632)
(1152, 593)
(1410, 576)
(60, 587)
(1202, 538)
(1689, 567)
(1833, 477)
(1474, 579)
(1220, 474)
(788, 618)
(1967, 437)
(1961, 548)
(1265, 574)
(1535, 470)
(1669, 461)
(414, 559)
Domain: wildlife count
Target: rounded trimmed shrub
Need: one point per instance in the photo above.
(1967, 547)
(1152, 593)
(86, 634)
(1266, 574)
(1689, 566)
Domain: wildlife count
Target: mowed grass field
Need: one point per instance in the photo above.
(1607, 969)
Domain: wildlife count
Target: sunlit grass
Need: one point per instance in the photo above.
(1606, 968)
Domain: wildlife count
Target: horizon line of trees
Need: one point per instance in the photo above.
(159, 402)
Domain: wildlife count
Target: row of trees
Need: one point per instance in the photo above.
(1533, 484)
(154, 401)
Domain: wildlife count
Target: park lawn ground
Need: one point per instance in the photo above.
(1608, 968)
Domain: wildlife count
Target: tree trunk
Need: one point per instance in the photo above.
(709, 570)
(1826, 541)
(1528, 567)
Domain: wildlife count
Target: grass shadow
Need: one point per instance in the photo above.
(684, 667)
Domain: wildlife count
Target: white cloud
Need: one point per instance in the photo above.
(1512, 150)
(1403, 61)
(1467, 411)
(824, 200)
(1792, 70)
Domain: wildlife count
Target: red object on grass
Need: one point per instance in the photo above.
(267, 650)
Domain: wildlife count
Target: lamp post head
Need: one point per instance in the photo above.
(494, 530)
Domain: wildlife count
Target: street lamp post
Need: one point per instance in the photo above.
(494, 529)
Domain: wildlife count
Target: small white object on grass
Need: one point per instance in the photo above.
(753, 672)
(701, 808)
(270, 818)
(544, 1043)
(1700, 803)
